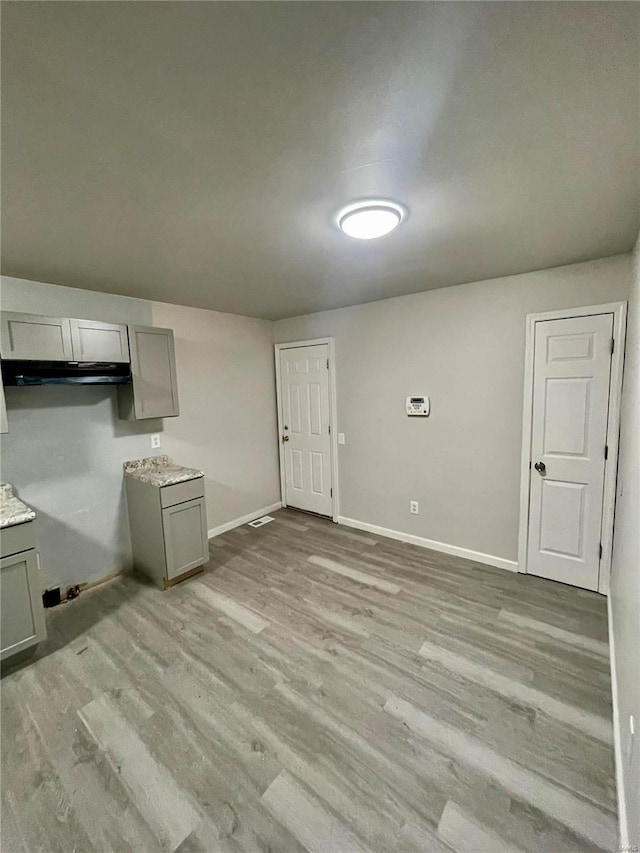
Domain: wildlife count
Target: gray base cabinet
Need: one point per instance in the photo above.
(22, 624)
(168, 529)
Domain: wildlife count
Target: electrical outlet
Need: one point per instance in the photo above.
(155, 441)
(414, 507)
(341, 438)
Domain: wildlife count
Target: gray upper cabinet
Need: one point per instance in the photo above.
(154, 389)
(31, 337)
(153, 392)
(94, 341)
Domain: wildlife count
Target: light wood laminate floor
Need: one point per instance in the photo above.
(316, 689)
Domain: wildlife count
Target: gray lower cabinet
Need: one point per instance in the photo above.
(153, 392)
(22, 625)
(168, 529)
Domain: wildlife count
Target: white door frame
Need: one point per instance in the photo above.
(333, 419)
(619, 311)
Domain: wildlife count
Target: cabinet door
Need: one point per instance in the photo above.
(153, 372)
(4, 423)
(94, 341)
(185, 536)
(31, 337)
(22, 622)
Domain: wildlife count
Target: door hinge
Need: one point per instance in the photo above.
(329, 429)
(328, 362)
(606, 451)
(600, 551)
(613, 343)
(330, 493)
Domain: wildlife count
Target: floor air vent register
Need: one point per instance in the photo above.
(260, 521)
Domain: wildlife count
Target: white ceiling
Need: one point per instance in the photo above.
(196, 152)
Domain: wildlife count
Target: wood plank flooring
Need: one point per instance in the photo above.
(316, 689)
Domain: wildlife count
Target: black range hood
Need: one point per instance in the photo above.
(65, 373)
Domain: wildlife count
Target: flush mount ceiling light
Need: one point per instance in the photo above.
(366, 220)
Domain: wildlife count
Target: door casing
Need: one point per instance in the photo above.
(619, 311)
(333, 419)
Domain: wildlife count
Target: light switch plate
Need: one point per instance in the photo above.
(341, 438)
(155, 441)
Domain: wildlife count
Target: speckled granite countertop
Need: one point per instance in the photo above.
(159, 471)
(12, 510)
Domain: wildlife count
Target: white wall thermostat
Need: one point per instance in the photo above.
(418, 406)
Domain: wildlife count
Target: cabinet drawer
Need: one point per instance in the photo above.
(180, 492)
(20, 537)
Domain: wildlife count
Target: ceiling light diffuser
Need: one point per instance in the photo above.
(367, 220)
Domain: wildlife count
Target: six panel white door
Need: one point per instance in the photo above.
(572, 364)
(304, 381)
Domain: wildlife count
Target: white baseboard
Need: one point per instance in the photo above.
(617, 740)
(237, 522)
(454, 550)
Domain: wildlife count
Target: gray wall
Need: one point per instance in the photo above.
(65, 447)
(464, 346)
(227, 424)
(625, 572)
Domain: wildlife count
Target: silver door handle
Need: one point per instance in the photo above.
(285, 438)
(540, 467)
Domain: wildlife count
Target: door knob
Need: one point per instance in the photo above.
(540, 467)
(285, 438)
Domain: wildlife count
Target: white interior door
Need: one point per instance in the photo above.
(572, 365)
(305, 439)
